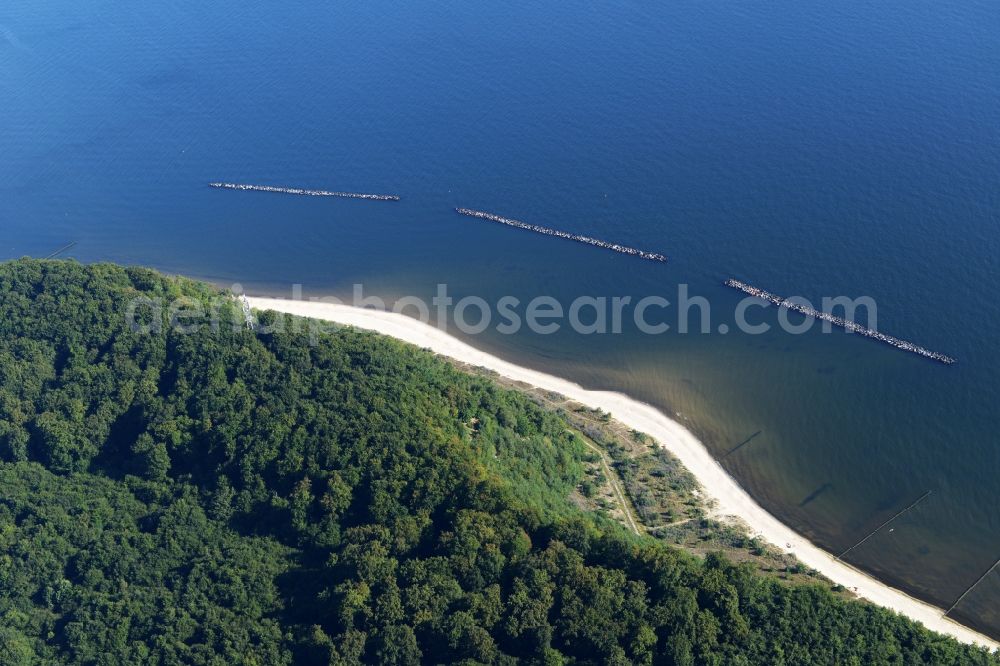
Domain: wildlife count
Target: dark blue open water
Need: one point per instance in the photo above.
(819, 149)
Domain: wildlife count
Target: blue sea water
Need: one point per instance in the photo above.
(817, 149)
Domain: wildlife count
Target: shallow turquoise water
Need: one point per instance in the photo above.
(810, 149)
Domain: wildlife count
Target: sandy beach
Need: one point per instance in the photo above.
(730, 498)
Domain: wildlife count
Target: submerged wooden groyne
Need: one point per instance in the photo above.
(840, 321)
(642, 254)
(301, 192)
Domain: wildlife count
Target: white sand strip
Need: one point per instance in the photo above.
(731, 499)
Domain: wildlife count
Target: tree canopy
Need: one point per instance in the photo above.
(225, 496)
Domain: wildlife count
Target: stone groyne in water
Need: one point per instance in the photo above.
(652, 256)
(301, 192)
(840, 321)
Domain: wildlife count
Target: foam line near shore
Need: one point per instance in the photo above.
(717, 484)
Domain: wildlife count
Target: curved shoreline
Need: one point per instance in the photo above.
(717, 484)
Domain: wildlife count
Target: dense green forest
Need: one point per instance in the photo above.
(223, 496)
